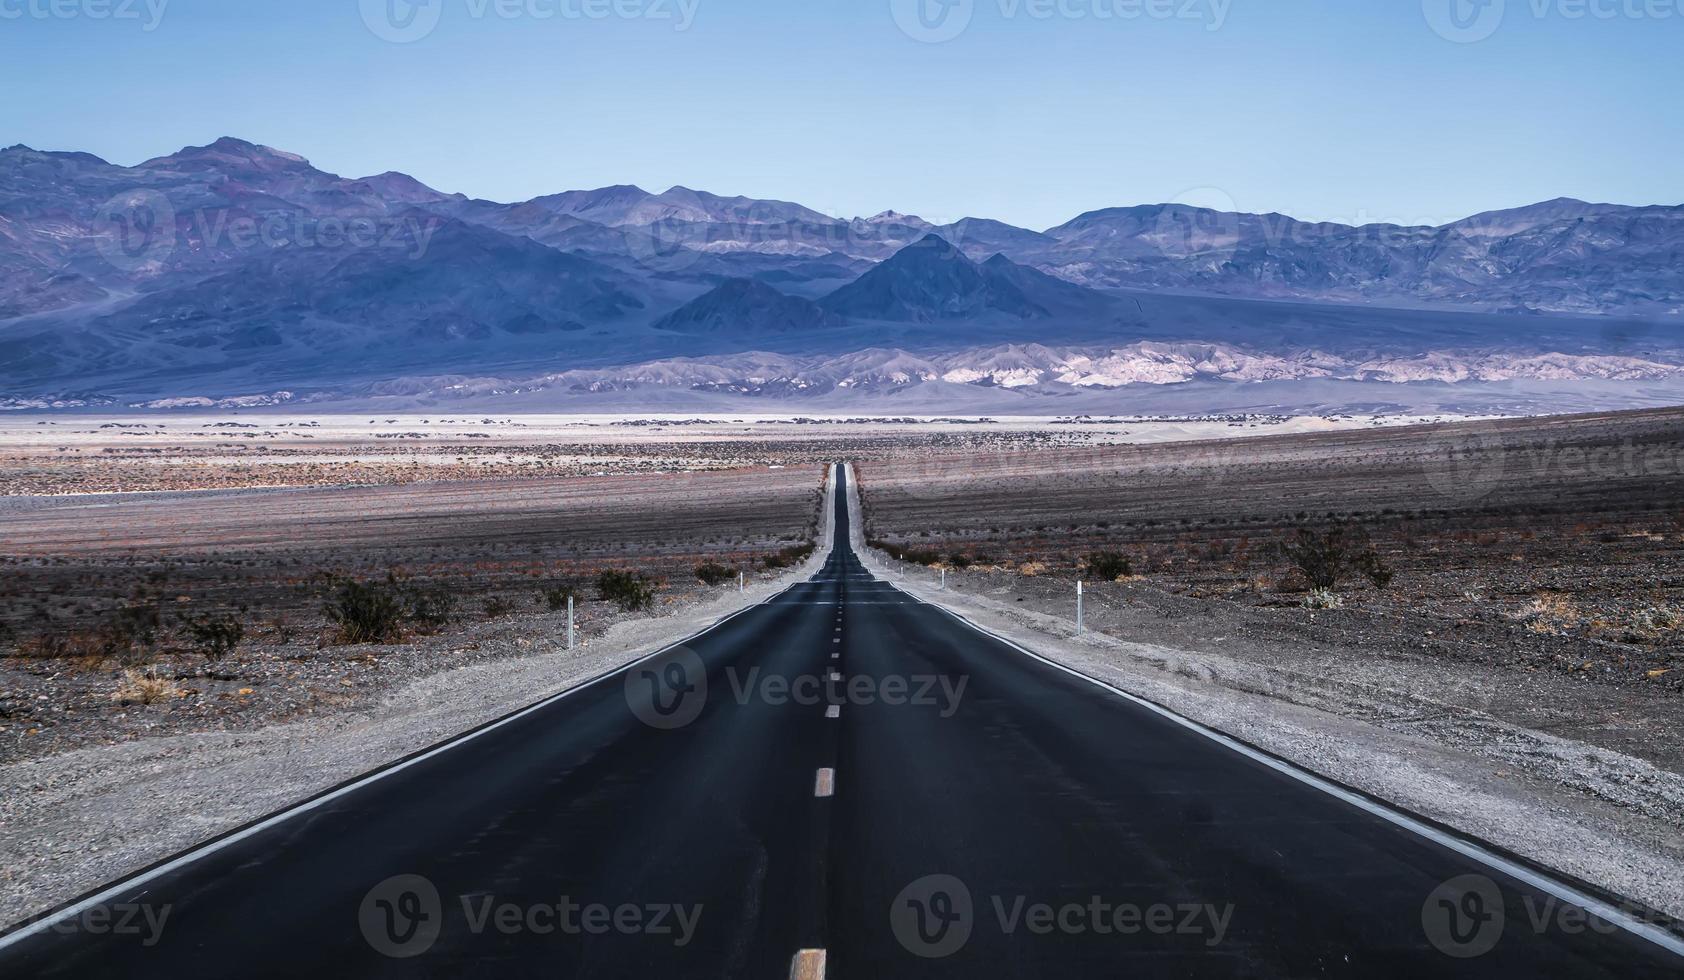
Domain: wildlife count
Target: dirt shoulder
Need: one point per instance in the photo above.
(74, 820)
(1576, 776)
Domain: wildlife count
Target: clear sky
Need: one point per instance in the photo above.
(1030, 111)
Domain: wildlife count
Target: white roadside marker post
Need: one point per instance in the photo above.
(1078, 607)
(740, 582)
(944, 578)
(569, 622)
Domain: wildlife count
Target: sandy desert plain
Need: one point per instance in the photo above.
(1511, 586)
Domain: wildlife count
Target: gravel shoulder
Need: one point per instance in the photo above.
(72, 821)
(1429, 737)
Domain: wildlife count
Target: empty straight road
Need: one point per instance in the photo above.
(840, 769)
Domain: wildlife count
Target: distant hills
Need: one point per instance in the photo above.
(232, 268)
(747, 307)
(932, 280)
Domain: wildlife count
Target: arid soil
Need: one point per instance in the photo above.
(77, 572)
(1548, 545)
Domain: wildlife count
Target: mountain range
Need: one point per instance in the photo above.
(233, 271)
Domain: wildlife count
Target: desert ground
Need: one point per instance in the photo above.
(102, 594)
(136, 547)
(1534, 562)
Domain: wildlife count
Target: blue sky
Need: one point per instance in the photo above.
(1030, 111)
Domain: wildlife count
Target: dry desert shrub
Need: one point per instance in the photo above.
(364, 612)
(1323, 558)
(144, 687)
(713, 573)
(1550, 614)
(216, 637)
(1656, 622)
(557, 593)
(1031, 569)
(1108, 566)
(631, 591)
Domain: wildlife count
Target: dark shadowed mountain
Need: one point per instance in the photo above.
(747, 307)
(439, 279)
(931, 280)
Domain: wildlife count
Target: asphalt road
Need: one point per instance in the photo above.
(944, 805)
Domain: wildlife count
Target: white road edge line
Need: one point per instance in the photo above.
(1558, 889)
(205, 850)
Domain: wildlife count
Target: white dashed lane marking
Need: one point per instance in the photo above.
(824, 784)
